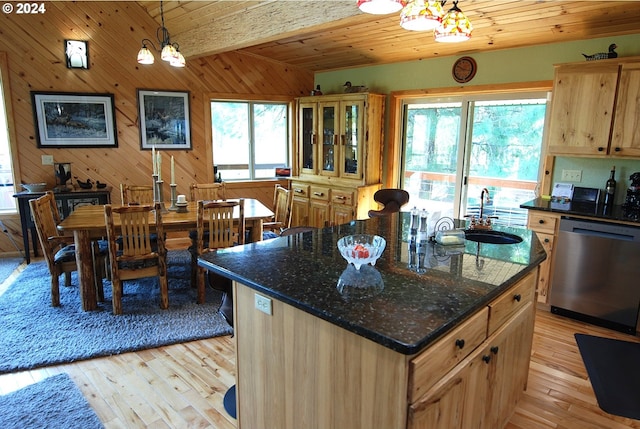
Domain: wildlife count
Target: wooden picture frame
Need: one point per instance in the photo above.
(68, 120)
(164, 120)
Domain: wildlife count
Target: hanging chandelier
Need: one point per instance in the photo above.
(169, 51)
(425, 15)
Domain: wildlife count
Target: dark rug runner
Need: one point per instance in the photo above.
(613, 368)
(54, 402)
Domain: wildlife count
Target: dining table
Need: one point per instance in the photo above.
(87, 224)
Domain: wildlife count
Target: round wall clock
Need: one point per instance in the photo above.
(464, 69)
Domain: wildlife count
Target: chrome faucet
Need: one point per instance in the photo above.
(484, 192)
(481, 222)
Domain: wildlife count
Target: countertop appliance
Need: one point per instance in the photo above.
(596, 273)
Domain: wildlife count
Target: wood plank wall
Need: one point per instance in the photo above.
(34, 50)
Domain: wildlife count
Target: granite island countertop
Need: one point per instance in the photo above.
(412, 310)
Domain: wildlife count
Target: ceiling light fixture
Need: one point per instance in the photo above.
(421, 15)
(168, 51)
(455, 26)
(424, 15)
(380, 7)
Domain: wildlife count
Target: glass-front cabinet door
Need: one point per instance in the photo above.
(308, 124)
(330, 126)
(351, 138)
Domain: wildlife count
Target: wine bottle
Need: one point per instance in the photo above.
(610, 188)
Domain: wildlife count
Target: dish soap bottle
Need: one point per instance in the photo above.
(610, 188)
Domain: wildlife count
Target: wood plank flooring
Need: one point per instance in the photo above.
(182, 386)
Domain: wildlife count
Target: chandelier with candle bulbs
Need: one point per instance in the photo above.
(169, 51)
(424, 15)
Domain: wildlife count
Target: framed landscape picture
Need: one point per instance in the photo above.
(164, 119)
(66, 120)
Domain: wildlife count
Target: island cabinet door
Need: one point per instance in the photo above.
(457, 401)
(295, 370)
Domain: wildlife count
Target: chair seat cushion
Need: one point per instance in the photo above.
(66, 254)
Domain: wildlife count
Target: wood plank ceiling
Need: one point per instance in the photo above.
(321, 35)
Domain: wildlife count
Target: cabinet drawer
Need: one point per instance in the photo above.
(320, 193)
(511, 301)
(429, 366)
(542, 222)
(342, 197)
(300, 189)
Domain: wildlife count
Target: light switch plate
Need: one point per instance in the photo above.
(263, 304)
(47, 159)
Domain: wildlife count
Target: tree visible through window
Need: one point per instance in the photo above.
(250, 139)
(456, 147)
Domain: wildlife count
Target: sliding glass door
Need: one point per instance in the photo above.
(455, 148)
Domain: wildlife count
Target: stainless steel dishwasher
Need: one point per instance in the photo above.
(596, 275)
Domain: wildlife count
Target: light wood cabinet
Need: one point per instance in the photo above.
(339, 156)
(484, 388)
(545, 225)
(322, 206)
(296, 370)
(594, 110)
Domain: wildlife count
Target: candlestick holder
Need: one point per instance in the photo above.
(174, 197)
(159, 194)
(155, 187)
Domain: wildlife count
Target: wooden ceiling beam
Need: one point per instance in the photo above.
(262, 23)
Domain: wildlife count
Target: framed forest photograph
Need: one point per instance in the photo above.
(67, 120)
(164, 119)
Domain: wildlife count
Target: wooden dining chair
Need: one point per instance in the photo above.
(391, 200)
(216, 218)
(207, 191)
(136, 194)
(282, 200)
(59, 251)
(137, 256)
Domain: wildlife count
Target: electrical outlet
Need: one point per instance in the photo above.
(572, 175)
(47, 159)
(263, 304)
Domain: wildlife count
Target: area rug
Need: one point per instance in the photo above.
(612, 366)
(8, 266)
(34, 334)
(55, 402)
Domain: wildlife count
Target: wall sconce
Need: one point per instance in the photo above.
(76, 53)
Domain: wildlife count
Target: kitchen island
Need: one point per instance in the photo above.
(442, 348)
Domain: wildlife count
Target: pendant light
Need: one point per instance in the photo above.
(380, 7)
(455, 26)
(421, 15)
(169, 50)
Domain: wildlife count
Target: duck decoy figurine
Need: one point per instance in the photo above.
(349, 88)
(100, 185)
(85, 185)
(603, 55)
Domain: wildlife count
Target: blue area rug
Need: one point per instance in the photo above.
(8, 266)
(34, 334)
(54, 402)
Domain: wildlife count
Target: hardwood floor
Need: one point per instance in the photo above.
(182, 386)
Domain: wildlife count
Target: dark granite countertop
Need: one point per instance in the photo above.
(597, 211)
(412, 310)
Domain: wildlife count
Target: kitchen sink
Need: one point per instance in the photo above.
(490, 236)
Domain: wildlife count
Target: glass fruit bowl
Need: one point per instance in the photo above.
(361, 249)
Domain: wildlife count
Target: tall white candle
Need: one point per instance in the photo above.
(159, 165)
(173, 171)
(153, 160)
